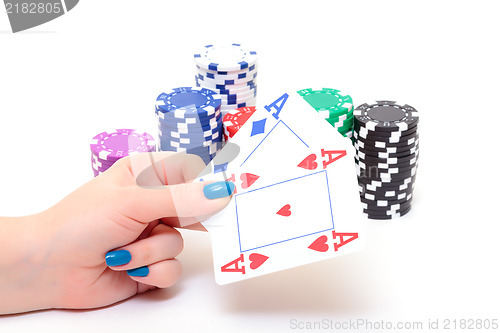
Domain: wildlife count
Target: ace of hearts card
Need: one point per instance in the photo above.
(296, 197)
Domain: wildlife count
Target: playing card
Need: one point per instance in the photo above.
(296, 187)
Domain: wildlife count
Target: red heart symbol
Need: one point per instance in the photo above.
(256, 260)
(308, 162)
(284, 211)
(248, 179)
(320, 244)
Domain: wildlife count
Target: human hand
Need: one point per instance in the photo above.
(112, 239)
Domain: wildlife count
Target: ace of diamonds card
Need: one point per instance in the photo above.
(296, 187)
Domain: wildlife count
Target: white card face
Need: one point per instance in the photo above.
(287, 216)
(296, 185)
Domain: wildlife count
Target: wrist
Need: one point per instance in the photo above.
(27, 280)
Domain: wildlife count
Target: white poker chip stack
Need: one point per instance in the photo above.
(231, 71)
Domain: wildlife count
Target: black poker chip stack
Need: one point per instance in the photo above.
(386, 140)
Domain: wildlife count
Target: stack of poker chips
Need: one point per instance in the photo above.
(109, 147)
(235, 119)
(337, 109)
(229, 70)
(189, 120)
(386, 142)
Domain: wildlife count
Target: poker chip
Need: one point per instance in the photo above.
(231, 72)
(196, 140)
(108, 147)
(186, 144)
(206, 153)
(185, 102)
(337, 109)
(387, 215)
(210, 147)
(375, 202)
(240, 104)
(386, 140)
(387, 162)
(398, 196)
(391, 213)
(193, 137)
(231, 80)
(231, 107)
(384, 177)
(219, 87)
(396, 139)
(97, 159)
(396, 172)
(191, 124)
(378, 207)
(100, 164)
(386, 116)
(190, 121)
(382, 154)
(342, 126)
(250, 69)
(240, 98)
(359, 145)
(233, 75)
(113, 145)
(385, 193)
(235, 119)
(383, 184)
(347, 134)
(230, 90)
(96, 173)
(327, 99)
(364, 132)
(380, 143)
(189, 133)
(225, 58)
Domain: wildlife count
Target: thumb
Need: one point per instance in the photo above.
(194, 200)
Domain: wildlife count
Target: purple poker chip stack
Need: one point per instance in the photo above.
(109, 147)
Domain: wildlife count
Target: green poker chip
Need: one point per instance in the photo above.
(348, 132)
(342, 126)
(345, 128)
(341, 123)
(343, 117)
(328, 102)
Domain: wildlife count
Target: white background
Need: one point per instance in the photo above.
(102, 65)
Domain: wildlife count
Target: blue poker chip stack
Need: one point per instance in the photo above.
(189, 120)
(230, 71)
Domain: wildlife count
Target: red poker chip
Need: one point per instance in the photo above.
(233, 129)
(235, 119)
(238, 116)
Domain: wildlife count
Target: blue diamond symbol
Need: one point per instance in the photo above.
(258, 127)
(220, 167)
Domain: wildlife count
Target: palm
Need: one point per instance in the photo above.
(89, 282)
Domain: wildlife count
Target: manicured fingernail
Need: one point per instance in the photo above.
(139, 272)
(118, 258)
(218, 190)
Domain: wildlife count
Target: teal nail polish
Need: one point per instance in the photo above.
(139, 272)
(218, 190)
(118, 258)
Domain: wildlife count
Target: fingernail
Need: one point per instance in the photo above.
(139, 272)
(218, 190)
(118, 258)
